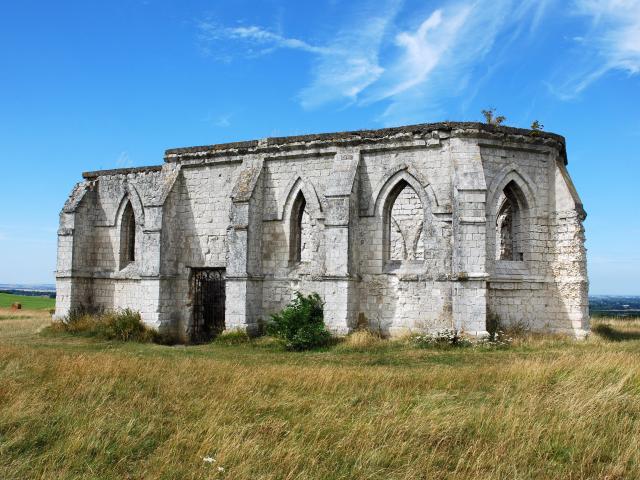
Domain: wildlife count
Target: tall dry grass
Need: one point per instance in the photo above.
(20, 323)
(546, 408)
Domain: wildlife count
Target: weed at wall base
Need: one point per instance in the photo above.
(235, 337)
(449, 338)
(122, 325)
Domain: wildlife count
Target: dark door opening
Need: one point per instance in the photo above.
(208, 287)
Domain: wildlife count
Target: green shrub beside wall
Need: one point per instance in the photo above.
(300, 325)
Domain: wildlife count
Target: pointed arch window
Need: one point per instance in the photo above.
(127, 236)
(404, 225)
(299, 229)
(511, 234)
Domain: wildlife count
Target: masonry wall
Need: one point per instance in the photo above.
(536, 293)
(283, 179)
(90, 272)
(398, 233)
(194, 234)
(409, 294)
(415, 293)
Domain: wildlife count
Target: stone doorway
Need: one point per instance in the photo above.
(208, 289)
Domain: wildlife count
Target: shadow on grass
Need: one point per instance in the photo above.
(612, 334)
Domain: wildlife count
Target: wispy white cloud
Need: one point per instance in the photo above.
(223, 121)
(353, 64)
(433, 60)
(123, 160)
(255, 37)
(534, 10)
(439, 58)
(611, 43)
(422, 51)
(440, 53)
(436, 59)
(249, 41)
(343, 67)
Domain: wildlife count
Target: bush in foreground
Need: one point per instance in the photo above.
(123, 325)
(300, 325)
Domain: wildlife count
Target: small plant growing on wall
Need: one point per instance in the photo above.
(463, 276)
(536, 128)
(536, 125)
(300, 325)
(491, 118)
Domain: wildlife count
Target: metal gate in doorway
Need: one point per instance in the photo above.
(208, 287)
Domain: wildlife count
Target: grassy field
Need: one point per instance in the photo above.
(28, 302)
(545, 408)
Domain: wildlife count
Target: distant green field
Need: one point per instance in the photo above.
(29, 303)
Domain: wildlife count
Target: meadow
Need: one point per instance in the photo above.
(546, 407)
(27, 302)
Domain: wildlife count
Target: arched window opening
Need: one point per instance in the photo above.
(404, 224)
(300, 231)
(127, 236)
(510, 231)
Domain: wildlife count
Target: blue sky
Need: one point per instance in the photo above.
(88, 85)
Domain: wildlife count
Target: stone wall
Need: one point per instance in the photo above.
(400, 229)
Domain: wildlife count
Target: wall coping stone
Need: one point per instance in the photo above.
(455, 128)
(356, 137)
(121, 171)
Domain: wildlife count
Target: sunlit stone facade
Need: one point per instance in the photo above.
(408, 229)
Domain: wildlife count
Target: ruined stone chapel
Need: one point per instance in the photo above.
(410, 229)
